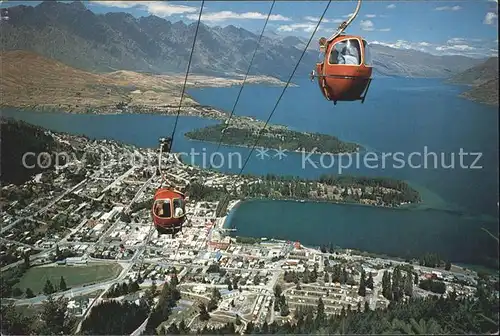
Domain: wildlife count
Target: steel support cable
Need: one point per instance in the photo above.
(176, 121)
(246, 76)
(187, 71)
(282, 93)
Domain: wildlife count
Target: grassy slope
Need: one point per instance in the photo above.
(31, 80)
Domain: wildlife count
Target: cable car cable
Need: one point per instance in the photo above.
(227, 196)
(148, 237)
(284, 89)
(246, 76)
(187, 73)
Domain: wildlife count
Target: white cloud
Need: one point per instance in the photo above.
(384, 29)
(455, 40)
(306, 27)
(391, 6)
(338, 21)
(455, 46)
(370, 16)
(490, 18)
(162, 9)
(228, 15)
(119, 4)
(315, 19)
(367, 25)
(448, 8)
(348, 15)
(399, 44)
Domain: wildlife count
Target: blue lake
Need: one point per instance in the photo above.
(399, 115)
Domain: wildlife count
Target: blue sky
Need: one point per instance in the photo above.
(439, 27)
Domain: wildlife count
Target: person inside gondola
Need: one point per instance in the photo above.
(178, 210)
(349, 55)
(322, 49)
(158, 209)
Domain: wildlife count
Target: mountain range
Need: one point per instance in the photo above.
(74, 35)
(484, 81)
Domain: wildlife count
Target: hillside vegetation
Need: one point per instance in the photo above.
(484, 79)
(17, 138)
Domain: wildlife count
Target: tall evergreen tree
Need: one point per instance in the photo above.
(62, 284)
(386, 286)
(369, 281)
(48, 288)
(408, 284)
(29, 293)
(320, 313)
(362, 284)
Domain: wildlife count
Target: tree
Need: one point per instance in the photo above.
(54, 317)
(48, 288)
(397, 284)
(26, 260)
(362, 284)
(369, 281)
(284, 310)
(17, 292)
(133, 287)
(277, 291)
(12, 322)
(173, 330)
(386, 286)
(238, 320)
(29, 293)
(447, 266)
(229, 286)
(327, 277)
(58, 252)
(204, 315)
(320, 313)
(408, 284)
(183, 329)
(235, 283)
(62, 284)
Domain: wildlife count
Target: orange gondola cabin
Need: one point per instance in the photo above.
(169, 210)
(346, 69)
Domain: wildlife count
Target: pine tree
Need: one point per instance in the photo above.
(320, 313)
(62, 284)
(362, 284)
(29, 293)
(48, 288)
(183, 328)
(204, 315)
(386, 286)
(369, 281)
(327, 277)
(408, 284)
(26, 260)
(397, 284)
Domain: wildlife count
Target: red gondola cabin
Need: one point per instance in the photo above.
(345, 73)
(169, 212)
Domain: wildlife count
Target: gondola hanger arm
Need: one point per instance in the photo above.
(345, 24)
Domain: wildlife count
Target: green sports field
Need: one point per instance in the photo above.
(74, 276)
